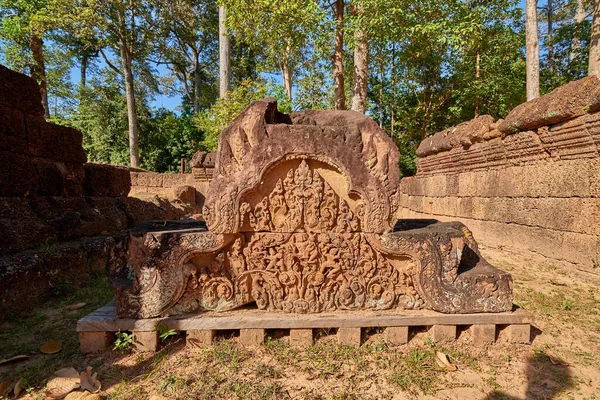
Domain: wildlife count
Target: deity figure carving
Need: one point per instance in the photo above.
(300, 218)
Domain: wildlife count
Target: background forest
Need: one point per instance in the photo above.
(416, 67)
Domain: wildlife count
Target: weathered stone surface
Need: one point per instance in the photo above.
(20, 92)
(13, 136)
(566, 102)
(55, 142)
(103, 180)
(187, 194)
(301, 229)
(21, 228)
(465, 134)
(57, 178)
(345, 146)
(77, 216)
(18, 178)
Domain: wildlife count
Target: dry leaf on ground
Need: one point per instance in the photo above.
(60, 386)
(82, 396)
(5, 388)
(18, 388)
(75, 306)
(67, 373)
(13, 359)
(50, 347)
(443, 362)
(89, 381)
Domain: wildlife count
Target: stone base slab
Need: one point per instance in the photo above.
(252, 324)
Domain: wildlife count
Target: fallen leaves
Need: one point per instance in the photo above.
(7, 387)
(13, 359)
(51, 347)
(89, 381)
(67, 380)
(442, 360)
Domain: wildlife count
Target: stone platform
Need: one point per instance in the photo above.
(96, 330)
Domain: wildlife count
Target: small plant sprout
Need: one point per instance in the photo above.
(124, 342)
(164, 332)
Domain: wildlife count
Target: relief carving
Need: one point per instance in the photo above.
(300, 218)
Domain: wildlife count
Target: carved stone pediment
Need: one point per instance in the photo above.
(300, 218)
(349, 142)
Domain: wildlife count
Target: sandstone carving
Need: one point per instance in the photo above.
(300, 218)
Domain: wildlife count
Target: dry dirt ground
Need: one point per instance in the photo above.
(562, 362)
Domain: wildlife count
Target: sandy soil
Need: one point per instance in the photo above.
(562, 361)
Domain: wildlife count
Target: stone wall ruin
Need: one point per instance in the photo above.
(529, 183)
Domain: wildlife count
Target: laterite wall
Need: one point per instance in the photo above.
(529, 183)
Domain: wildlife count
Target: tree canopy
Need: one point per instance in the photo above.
(102, 64)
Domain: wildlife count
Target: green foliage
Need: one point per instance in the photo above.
(123, 342)
(217, 117)
(164, 332)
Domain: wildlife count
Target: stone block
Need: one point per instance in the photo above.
(148, 179)
(187, 194)
(519, 333)
(175, 180)
(74, 217)
(56, 142)
(107, 180)
(349, 336)
(57, 178)
(13, 135)
(145, 342)
(301, 338)
(443, 333)
(569, 101)
(95, 342)
(396, 335)
(252, 337)
(21, 228)
(195, 339)
(483, 334)
(18, 178)
(20, 92)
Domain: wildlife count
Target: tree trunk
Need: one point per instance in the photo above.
(381, 76)
(579, 18)
(393, 87)
(361, 68)
(38, 71)
(84, 66)
(224, 54)
(197, 82)
(477, 77)
(287, 80)
(594, 63)
(134, 153)
(550, 39)
(338, 57)
(532, 51)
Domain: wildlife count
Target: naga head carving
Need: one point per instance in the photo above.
(310, 171)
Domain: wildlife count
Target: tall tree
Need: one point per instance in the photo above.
(126, 28)
(224, 54)
(188, 45)
(578, 18)
(532, 51)
(594, 61)
(338, 57)
(361, 61)
(281, 31)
